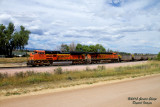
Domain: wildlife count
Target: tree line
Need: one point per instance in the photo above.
(11, 39)
(82, 48)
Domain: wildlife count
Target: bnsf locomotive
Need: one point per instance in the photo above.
(47, 58)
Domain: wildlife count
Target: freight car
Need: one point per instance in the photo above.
(126, 58)
(130, 57)
(136, 57)
(50, 57)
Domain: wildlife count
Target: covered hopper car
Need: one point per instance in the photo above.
(136, 57)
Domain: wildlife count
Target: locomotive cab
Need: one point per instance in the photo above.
(38, 55)
(36, 58)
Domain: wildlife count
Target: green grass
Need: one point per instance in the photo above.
(67, 78)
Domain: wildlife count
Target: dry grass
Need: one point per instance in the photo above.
(33, 81)
(13, 60)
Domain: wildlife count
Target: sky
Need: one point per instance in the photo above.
(121, 25)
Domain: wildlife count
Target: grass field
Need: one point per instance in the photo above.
(32, 81)
(13, 60)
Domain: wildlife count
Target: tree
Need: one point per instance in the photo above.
(11, 39)
(64, 48)
(109, 50)
(72, 47)
(79, 48)
(19, 39)
(82, 48)
(158, 56)
(8, 33)
(100, 48)
(2, 39)
(86, 48)
(90, 48)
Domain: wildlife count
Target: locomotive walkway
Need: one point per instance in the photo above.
(68, 68)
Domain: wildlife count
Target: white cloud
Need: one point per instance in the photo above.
(5, 19)
(124, 25)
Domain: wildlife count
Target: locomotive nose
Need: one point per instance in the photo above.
(31, 56)
(30, 60)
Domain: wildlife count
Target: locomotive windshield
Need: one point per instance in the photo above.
(34, 52)
(41, 53)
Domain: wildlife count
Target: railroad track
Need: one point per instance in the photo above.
(13, 70)
(64, 65)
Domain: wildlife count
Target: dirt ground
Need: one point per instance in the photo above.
(11, 71)
(137, 92)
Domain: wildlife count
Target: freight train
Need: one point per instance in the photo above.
(41, 57)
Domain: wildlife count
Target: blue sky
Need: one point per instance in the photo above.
(122, 25)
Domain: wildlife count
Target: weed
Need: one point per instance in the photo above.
(69, 78)
(47, 74)
(58, 70)
(118, 69)
(30, 73)
(31, 77)
(33, 80)
(133, 76)
(5, 83)
(87, 68)
(20, 74)
(3, 75)
(101, 68)
(12, 93)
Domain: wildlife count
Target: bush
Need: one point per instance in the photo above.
(158, 56)
(20, 74)
(88, 69)
(101, 68)
(30, 73)
(58, 70)
(3, 75)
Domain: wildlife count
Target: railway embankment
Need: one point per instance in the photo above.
(31, 81)
(13, 70)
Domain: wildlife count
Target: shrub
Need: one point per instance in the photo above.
(118, 69)
(158, 56)
(33, 80)
(3, 75)
(101, 68)
(58, 70)
(69, 78)
(88, 69)
(20, 74)
(30, 73)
